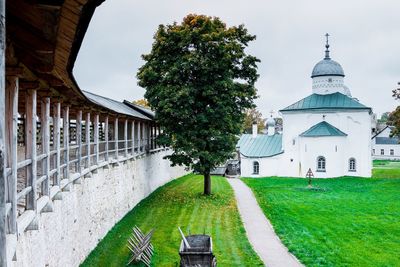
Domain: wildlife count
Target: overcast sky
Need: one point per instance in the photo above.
(365, 40)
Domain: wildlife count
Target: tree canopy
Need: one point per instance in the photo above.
(253, 115)
(394, 117)
(141, 102)
(199, 81)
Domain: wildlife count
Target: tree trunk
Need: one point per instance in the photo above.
(207, 184)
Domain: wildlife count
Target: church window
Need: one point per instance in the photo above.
(256, 167)
(391, 152)
(382, 152)
(373, 151)
(330, 80)
(321, 164)
(352, 164)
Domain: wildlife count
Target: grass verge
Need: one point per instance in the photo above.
(352, 222)
(180, 203)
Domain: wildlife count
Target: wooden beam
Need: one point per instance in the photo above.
(14, 71)
(126, 138)
(12, 127)
(45, 127)
(56, 141)
(106, 138)
(79, 140)
(87, 137)
(26, 85)
(66, 141)
(116, 138)
(30, 149)
(96, 138)
(3, 215)
(139, 137)
(133, 137)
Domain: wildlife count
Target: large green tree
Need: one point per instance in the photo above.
(199, 80)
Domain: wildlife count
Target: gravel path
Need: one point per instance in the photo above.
(259, 230)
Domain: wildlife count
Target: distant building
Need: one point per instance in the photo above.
(384, 146)
(328, 132)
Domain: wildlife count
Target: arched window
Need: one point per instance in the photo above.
(321, 164)
(352, 164)
(256, 167)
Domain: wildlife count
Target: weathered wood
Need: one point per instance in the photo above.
(96, 138)
(87, 137)
(12, 140)
(116, 137)
(45, 128)
(66, 141)
(30, 149)
(3, 257)
(126, 138)
(78, 167)
(106, 138)
(133, 137)
(57, 140)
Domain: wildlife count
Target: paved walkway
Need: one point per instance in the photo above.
(259, 230)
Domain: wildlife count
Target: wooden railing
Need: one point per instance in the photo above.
(58, 146)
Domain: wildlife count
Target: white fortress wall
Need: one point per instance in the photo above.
(87, 212)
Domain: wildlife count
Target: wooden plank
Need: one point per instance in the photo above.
(87, 134)
(106, 148)
(12, 140)
(126, 138)
(96, 138)
(3, 215)
(133, 137)
(45, 127)
(66, 141)
(56, 140)
(116, 138)
(79, 140)
(30, 149)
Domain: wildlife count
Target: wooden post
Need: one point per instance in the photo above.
(116, 137)
(12, 127)
(126, 138)
(3, 158)
(30, 149)
(56, 140)
(66, 140)
(133, 137)
(79, 140)
(148, 133)
(96, 138)
(87, 132)
(139, 136)
(106, 138)
(45, 126)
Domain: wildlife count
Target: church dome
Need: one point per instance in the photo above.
(327, 67)
(270, 122)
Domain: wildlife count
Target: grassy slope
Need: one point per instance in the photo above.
(355, 222)
(180, 203)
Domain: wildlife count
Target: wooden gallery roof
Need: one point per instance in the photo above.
(43, 41)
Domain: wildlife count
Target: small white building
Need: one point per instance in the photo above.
(384, 146)
(328, 132)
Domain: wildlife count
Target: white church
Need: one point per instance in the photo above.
(328, 132)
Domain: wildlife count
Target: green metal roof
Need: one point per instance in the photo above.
(329, 101)
(261, 146)
(323, 129)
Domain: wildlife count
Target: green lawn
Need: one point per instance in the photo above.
(386, 169)
(352, 222)
(180, 203)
